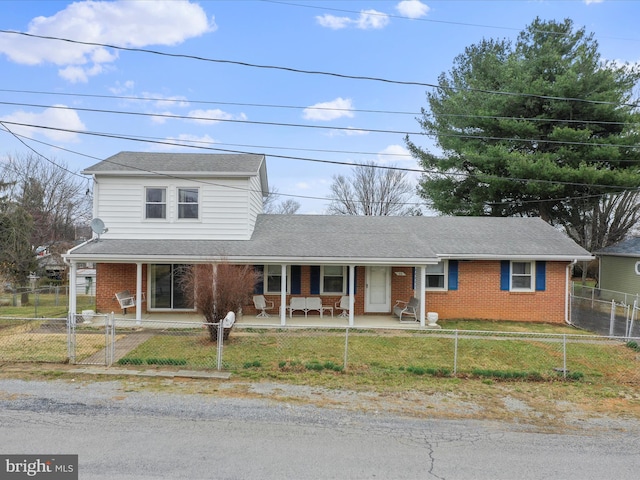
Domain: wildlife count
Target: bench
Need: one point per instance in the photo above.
(308, 304)
(407, 311)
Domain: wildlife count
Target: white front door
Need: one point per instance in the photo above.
(378, 290)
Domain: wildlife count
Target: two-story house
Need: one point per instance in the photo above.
(164, 210)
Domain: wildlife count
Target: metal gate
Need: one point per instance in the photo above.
(91, 340)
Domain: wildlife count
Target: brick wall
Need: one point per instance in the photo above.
(112, 278)
(479, 296)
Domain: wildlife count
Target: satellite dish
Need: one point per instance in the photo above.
(97, 226)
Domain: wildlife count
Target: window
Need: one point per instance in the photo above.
(436, 277)
(187, 203)
(165, 289)
(156, 203)
(522, 276)
(273, 278)
(333, 279)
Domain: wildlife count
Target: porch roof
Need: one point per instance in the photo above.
(362, 240)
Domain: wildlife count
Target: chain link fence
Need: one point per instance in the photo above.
(383, 352)
(605, 312)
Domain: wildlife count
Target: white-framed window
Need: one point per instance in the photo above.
(155, 203)
(273, 279)
(436, 276)
(333, 279)
(637, 268)
(522, 276)
(188, 203)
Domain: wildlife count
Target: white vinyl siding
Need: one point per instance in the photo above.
(224, 208)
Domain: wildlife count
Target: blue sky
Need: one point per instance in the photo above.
(299, 120)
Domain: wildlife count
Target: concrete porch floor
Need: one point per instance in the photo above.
(192, 320)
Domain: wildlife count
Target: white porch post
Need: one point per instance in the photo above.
(73, 289)
(139, 292)
(283, 295)
(420, 284)
(352, 274)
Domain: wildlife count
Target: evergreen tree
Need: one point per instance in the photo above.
(543, 127)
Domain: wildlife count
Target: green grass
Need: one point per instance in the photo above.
(391, 359)
(44, 306)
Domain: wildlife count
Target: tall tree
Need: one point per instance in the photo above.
(53, 196)
(543, 127)
(371, 191)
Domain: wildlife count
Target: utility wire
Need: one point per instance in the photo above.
(310, 72)
(297, 107)
(322, 127)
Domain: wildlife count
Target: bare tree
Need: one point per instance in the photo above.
(371, 191)
(216, 289)
(273, 205)
(55, 197)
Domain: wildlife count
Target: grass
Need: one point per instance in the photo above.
(384, 360)
(44, 306)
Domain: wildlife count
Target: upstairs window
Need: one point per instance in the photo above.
(156, 203)
(188, 203)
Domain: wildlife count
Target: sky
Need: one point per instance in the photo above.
(316, 86)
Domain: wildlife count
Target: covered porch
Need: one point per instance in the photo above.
(166, 320)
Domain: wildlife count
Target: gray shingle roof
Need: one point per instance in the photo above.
(200, 163)
(628, 248)
(367, 240)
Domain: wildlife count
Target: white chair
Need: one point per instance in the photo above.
(343, 305)
(263, 305)
(315, 304)
(297, 303)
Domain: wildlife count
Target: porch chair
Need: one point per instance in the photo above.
(263, 305)
(126, 300)
(315, 304)
(343, 305)
(297, 303)
(407, 311)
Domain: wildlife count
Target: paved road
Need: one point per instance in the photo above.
(120, 434)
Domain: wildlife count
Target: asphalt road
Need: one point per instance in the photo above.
(120, 434)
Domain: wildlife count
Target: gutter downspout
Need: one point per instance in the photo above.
(567, 294)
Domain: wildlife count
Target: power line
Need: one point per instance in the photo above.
(332, 162)
(298, 107)
(322, 127)
(309, 72)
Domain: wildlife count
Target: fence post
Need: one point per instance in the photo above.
(612, 317)
(71, 338)
(346, 347)
(455, 353)
(564, 356)
(220, 346)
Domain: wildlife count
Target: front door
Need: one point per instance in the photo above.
(378, 290)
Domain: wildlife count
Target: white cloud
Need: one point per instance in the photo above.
(367, 20)
(589, 2)
(326, 111)
(122, 23)
(209, 116)
(333, 22)
(64, 118)
(412, 9)
(161, 101)
(395, 154)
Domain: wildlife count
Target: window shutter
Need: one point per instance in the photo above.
(315, 279)
(258, 289)
(541, 276)
(453, 275)
(296, 279)
(505, 272)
